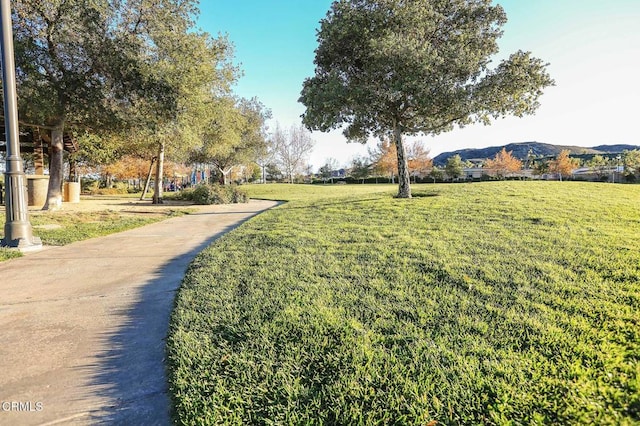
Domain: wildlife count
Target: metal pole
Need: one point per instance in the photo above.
(17, 228)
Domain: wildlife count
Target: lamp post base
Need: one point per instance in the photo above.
(22, 244)
(17, 228)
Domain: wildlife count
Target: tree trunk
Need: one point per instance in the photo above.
(73, 169)
(225, 175)
(404, 183)
(146, 184)
(56, 168)
(158, 187)
(38, 151)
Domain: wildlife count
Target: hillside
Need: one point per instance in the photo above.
(521, 150)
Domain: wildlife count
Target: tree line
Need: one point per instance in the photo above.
(131, 80)
(563, 166)
(381, 163)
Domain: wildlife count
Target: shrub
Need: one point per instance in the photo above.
(214, 194)
(119, 188)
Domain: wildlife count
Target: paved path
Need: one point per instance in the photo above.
(82, 327)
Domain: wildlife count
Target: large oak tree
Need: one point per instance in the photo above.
(182, 74)
(65, 73)
(132, 74)
(396, 68)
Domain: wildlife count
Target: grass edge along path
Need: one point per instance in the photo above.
(66, 227)
(497, 303)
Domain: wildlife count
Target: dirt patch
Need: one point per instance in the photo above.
(119, 204)
(48, 226)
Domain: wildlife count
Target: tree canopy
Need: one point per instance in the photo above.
(503, 164)
(234, 135)
(454, 167)
(65, 71)
(563, 165)
(128, 76)
(385, 158)
(396, 68)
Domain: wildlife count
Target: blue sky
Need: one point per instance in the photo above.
(593, 47)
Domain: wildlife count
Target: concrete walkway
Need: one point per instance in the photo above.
(83, 327)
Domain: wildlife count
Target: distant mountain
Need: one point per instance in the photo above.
(614, 149)
(521, 150)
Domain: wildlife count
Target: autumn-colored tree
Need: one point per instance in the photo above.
(175, 171)
(127, 168)
(563, 165)
(419, 161)
(503, 164)
(384, 159)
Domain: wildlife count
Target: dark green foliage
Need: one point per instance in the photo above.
(399, 68)
(491, 303)
(454, 167)
(215, 194)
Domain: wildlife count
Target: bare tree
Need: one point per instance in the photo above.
(268, 155)
(326, 171)
(293, 147)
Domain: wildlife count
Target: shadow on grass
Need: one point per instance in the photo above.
(343, 202)
(425, 194)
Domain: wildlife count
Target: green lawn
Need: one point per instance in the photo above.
(484, 303)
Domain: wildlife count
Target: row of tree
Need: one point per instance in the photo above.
(504, 164)
(381, 163)
(280, 156)
(131, 78)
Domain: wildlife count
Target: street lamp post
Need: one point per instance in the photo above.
(17, 229)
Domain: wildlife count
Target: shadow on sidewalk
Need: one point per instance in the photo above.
(130, 376)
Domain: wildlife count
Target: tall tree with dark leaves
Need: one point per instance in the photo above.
(182, 72)
(134, 67)
(64, 71)
(396, 68)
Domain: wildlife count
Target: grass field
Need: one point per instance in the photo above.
(485, 303)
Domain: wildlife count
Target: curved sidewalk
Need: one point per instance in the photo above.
(83, 327)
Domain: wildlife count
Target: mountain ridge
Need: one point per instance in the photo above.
(521, 151)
